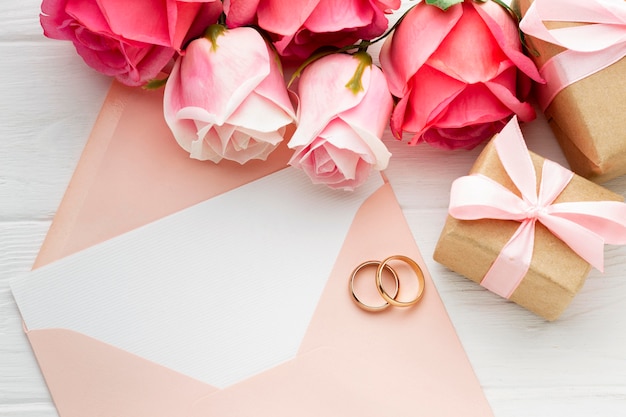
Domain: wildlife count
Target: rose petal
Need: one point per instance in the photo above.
(230, 73)
(188, 125)
(334, 15)
(524, 111)
(422, 30)
(243, 146)
(346, 163)
(152, 62)
(467, 137)
(505, 32)
(258, 113)
(182, 16)
(208, 14)
(398, 115)
(370, 118)
(168, 24)
(316, 161)
(240, 12)
(323, 94)
(303, 42)
(341, 136)
(200, 148)
(172, 94)
(272, 137)
(128, 19)
(380, 23)
(375, 107)
(284, 17)
(475, 104)
(431, 93)
(273, 87)
(90, 15)
(224, 133)
(469, 53)
(388, 6)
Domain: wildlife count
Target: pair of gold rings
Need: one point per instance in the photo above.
(389, 298)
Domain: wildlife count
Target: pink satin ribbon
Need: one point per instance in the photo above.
(584, 226)
(591, 47)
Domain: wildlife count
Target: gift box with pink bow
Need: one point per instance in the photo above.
(526, 228)
(579, 46)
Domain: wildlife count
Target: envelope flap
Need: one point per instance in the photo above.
(133, 172)
(85, 374)
(357, 363)
(414, 351)
(324, 382)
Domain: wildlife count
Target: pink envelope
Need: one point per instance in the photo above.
(351, 362)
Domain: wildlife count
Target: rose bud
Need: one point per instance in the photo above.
(459, 75)
(345, 105)
(226, 97)
(299, 27)
(132, 41)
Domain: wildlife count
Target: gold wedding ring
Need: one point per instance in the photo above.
(356, 272)
(391, 299)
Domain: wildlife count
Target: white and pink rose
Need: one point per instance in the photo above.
(226, 98)
(345, 106)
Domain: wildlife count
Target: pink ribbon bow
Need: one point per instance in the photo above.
(591, 47)
(584, 226)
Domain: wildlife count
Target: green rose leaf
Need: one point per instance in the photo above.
(443, 4)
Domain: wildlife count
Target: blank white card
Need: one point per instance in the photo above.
(219, 291)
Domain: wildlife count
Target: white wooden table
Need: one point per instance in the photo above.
(49, 99)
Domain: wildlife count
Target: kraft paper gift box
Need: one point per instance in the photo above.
(587, 116)
(470, 246)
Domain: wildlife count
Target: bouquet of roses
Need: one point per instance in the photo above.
(451, 74)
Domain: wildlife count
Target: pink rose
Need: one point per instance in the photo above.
(299, 27)
(227, 98)
(459, 75)
(129, 40)
(338, 138)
